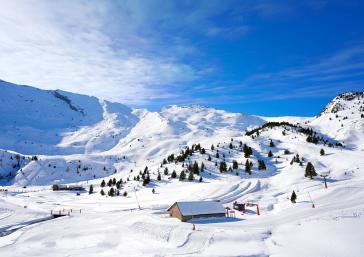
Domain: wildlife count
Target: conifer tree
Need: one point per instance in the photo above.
(91, 190)
(209, 158)
(102, 192)
(195, 168)
(231, 146)
(109, 183)
(166, 171)
(212, 147)
(200, 180)
(190, 176)
(223, 167)
(310, 170)
(202, 167)
(112, 191)
(293, 197)
(261, 165)
(270, 154)
(103, 183)
(174, 174)
(322, 151)
(159, 176)
(248, 167)
(217, 155)
(235, 165)
(182, 176)
(271, 144)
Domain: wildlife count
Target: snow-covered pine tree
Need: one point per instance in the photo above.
(310, 170)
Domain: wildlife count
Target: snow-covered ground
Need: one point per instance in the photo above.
(92, 140)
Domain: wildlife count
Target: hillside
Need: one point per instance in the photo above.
(343, 119)
(35, 121)
(224, 156)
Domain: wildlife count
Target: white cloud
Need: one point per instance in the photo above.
(67, 45)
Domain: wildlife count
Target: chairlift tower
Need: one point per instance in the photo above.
(324, 175)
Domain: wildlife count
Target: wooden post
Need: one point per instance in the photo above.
(258, 210)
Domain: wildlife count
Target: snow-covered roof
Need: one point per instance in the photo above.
(199, 207)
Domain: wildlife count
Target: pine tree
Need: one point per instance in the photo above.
(182, 176)
(125, 194)
(109, 183)
(209, 158)
(261, 165)
(195, 168)
(174, 174)
(231, 146)
(247, 151)
(235, 165)
(159, 176)
(248, 167)
(91, 190)
(114, 181)
(222, 167)
(102, 192)
(322, 151)
(271, 144)
(190, 176)
(270, 154)
(310, 170)
(212, 147)
(112, 191)
(103, 183)
(200, 180)
(166, 171)
(202, 167)
(217, 155)
(293, 197)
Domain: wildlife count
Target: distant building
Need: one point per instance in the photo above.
(196, 209)
(58, 187)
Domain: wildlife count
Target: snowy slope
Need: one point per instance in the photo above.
(35, 121)
(343, 119)
(92, 140)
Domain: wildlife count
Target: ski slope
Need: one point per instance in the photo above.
(90, 140)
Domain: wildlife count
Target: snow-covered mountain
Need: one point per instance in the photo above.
(343, 119)
(49, 137)
(35, 121)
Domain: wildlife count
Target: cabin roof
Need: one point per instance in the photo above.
(199, 207)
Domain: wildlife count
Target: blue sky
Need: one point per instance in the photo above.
(259, 57)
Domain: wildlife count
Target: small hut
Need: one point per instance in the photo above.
(196, 209)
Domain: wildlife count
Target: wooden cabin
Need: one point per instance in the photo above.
(196, 209)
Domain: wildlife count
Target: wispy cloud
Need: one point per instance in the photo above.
(147, 52)
(77, 47)
(325, 76)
